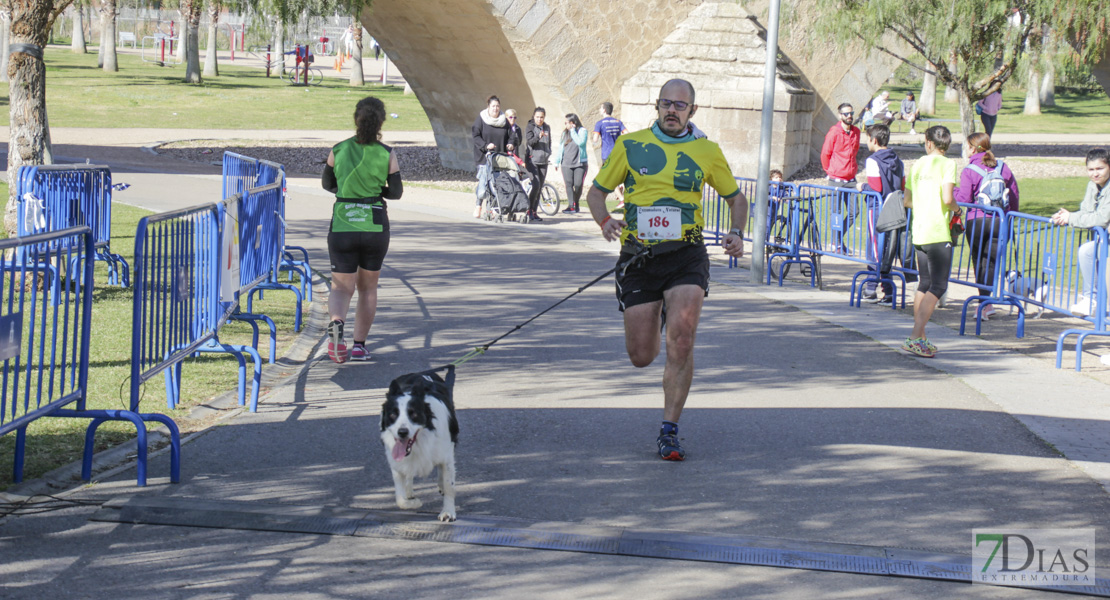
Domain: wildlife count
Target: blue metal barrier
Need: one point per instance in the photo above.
(44, 341)
(271, 172)
(845, 222)
(977, 260)
(239, 173)
(1039, 266)
(177, 309)
(71, 196)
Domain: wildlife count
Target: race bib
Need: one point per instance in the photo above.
(355, 217)
(659, 223)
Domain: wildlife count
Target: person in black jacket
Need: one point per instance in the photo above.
(537, 139)
(491, 134)
(886, 173)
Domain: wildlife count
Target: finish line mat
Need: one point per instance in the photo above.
(549, 535)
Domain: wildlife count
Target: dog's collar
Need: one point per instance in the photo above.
(410, 442)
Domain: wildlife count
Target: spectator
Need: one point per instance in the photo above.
(570, 158)
(909, 111)
(838, 159)
(490, 133)
(776, 191)
(929, 191)
(606, 131)
(362, 172)
(886, 173)
(516, 134)
(880, 109)
(983, 230)
(1094, 211)
(537, 137)
(988, 110)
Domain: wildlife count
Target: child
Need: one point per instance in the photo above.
(929, 191)
(885, 174)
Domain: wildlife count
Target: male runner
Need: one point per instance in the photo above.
(663, 169)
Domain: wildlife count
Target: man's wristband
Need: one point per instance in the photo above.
(736, 231)
(604, 221)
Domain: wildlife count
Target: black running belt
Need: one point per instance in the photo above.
(547, 535)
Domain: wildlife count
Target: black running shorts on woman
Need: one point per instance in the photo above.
(350, 250)
(647, 281)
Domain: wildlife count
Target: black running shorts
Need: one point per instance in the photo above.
(351, 250)
(646, 282)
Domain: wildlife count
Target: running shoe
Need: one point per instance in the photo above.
(337, 350)
(669, 448)
(918, 347)
(989, 311)
(358, 352)
(885, 301)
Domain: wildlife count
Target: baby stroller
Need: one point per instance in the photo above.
(503, 187)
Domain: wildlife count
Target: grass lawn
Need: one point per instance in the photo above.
(1073, 113)
(1044, 197)
(141, 94)
(53, 442)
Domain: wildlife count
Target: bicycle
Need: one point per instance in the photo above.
(295, 75)
(780, 233)
(549, 200)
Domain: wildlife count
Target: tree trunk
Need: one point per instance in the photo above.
(77, 44)
(357, 76)
(1048, 85)
(108, 35)
(211, 64)
(191, 8)
(950, 94)
(182, 32)
(27, 93)
(927, 101)
(100, 44)
(278, 53)
(967, 114)
(1032, 93)
(5, 40)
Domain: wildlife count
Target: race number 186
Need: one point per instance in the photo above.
(659, 223)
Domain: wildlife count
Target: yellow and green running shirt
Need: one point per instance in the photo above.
(360, 169)
(663, 179)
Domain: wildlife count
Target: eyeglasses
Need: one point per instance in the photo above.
(678, 104)
(509, 117)
(848, 114)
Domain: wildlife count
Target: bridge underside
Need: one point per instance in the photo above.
(569, 56)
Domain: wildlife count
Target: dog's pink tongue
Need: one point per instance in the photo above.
(399, 449)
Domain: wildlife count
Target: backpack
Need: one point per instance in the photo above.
(992, 189)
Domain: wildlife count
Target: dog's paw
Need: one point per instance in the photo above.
(446, 516)
(410, 503)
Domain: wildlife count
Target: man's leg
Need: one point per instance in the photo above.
(641, 332)
(684, 304)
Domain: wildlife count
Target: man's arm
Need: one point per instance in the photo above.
(733, 243)
(827, 150)
(610, 227)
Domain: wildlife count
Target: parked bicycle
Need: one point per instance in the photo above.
(784, 240)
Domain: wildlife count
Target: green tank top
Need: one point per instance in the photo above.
(360, 169)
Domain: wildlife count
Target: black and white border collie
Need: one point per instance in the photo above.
(419, 431)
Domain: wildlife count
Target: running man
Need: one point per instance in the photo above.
(663, 169)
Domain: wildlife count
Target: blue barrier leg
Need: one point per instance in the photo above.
(175, 443)
(253, 320)
(90, 434)
(257, 379)
(20, 447)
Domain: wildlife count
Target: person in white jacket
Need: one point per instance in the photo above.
(1094, 211)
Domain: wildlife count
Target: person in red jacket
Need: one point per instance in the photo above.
(838, 158)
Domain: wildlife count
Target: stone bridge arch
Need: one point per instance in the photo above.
(571, 55)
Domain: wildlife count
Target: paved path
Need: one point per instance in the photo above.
(805, 422)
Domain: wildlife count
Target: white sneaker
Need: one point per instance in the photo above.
(1082, 306)
(912, 132)
(477, 211)
(988, 311)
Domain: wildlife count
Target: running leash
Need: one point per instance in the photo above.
(642, 253)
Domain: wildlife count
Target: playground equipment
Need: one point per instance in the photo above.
(159, 42)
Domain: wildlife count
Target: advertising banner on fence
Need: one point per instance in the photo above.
(229, 251)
